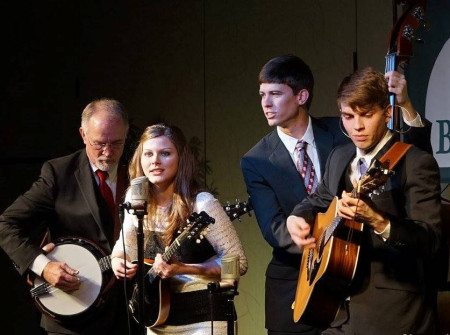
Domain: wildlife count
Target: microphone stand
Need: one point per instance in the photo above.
(229, 291)
(140, 211)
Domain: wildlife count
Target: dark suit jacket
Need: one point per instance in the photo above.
(66, 201)
(394, 291)
(275, 187)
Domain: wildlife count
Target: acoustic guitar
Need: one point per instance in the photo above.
(156, 293)
(334, 259)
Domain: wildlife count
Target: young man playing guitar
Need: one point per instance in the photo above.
(273, 182)
(394, 289)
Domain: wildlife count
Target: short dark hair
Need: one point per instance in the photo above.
(365, 89)
(289, 70)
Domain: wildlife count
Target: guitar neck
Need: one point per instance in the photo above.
(197, 223)
(171, 251)
(167, 255)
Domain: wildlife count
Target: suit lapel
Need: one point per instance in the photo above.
(85, 182)
(324, 143)
(340, 164)
(287, 172)
(346, 155)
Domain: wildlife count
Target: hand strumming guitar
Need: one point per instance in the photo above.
(300, 232)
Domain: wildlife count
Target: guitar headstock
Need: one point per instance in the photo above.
(377, 174)
(197, 226)
(235, 211)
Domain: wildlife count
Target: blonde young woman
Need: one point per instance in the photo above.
(165, 159)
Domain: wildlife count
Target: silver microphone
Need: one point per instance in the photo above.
(230, 270)
(139, 192)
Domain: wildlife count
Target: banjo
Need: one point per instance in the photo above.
(92, 264)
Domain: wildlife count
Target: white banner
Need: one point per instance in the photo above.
(437, 108)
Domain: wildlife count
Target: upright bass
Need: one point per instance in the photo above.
(400, 47)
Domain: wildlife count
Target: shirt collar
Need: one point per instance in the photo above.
(369, 156)
(112, 175)
(290, 142)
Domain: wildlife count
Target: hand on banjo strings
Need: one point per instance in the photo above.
(62, 276)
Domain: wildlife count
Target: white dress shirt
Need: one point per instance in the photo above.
(367, 157)
(311, 149)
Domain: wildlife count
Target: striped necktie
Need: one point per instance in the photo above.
(305, 167)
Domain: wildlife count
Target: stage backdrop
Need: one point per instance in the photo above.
(194, 63)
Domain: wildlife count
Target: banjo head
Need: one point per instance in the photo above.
(78, 257)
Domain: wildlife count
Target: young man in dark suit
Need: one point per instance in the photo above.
(67, 201)
(394, 289)
(274, 182)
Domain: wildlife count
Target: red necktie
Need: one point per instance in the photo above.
(106, 192)
(305, 167)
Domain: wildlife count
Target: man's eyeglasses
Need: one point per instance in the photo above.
(102, 146)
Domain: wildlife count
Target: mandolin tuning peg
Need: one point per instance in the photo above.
(197, 241)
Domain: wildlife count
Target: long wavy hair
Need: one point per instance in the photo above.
(185, 186)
